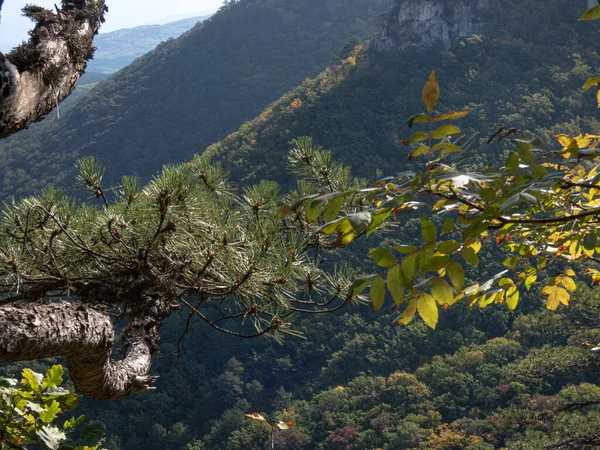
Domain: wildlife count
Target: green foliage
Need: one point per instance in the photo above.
(29, 409)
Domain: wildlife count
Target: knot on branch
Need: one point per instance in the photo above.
(144, 383)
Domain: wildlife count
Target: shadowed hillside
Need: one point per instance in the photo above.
(189, 92)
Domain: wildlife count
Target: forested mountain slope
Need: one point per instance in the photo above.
(189, 92)
(528, 77)
(119, 48)
(484, 379)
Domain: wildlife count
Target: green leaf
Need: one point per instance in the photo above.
(448, 226)
(359, 285)
(333, 208)
(591, 82)
(438, 262)
(511, 262)
(452, 115)
(421, 150)
(538, 172)
(408, 313)
(73, 422)
(445, 131)
(512, 163)
(530, 277)
(470, 255)
(382, 257)
(590, 241)
(457, 275)
(447, 147)
(419, 136)
(512, 297)
(377, 293)
(428, 229)
(427, 309)
(396, 284)
(591, 14)
(487, 194)
(314, 209)
(410, 266)
(447, 247)
(50, 413)
(431, 93)
(442, 292)
(53, 377)
(405, 249)
(32, 379)
(417, 118)
(377, 218)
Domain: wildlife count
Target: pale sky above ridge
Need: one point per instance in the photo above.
(122, 14)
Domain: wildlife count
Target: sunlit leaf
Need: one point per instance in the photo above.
(418, 118)
(442, 292)
(431, 92)
(427, 309)
(591, 14)
(53, 377)
(512, 298)
(382, 257)
(405, 249)
(445, 131)
(569, 283)
(452, 115)
(419, 136)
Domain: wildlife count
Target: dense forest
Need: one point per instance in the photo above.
(229, 68)
(484, 379)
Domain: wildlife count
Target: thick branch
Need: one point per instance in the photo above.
(85, 336)
(38, 75)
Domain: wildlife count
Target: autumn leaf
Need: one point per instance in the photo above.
(431, 92)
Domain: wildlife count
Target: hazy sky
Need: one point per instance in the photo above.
(121, 14)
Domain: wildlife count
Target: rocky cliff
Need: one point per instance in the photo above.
(424, 23)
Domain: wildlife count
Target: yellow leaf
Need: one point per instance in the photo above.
(452, 115)
(512, 298)
(409, 313)
(428, 309)
(569, 283)
(442, 292)
(431, 92)
(557, 296)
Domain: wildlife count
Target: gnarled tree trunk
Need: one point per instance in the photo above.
(38, 75)
(85, 336)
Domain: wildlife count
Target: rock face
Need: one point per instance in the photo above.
(425, 23)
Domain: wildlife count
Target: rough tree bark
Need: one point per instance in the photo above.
(36, 76)
(85, 336)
